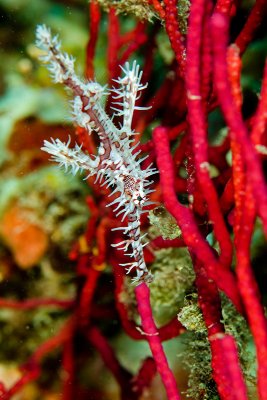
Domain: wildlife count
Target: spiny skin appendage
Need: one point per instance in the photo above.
(115, 165)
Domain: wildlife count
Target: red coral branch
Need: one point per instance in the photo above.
(260, 118)
(227, 372)
(166, 332)
(145, 375)
(226, 369)
(173, 31)
(158, 8)
(239, 179)
(35, 303)
(161, 243)
(233, 116)
(113, 45)
(205, 56)
(224, 6)
(68, 370)
(252, 24)
(198, 128)
(122, 376)
(191, 235)
(94, 24)
(139, 38)
(250, 293)
(245, 213)
(152, 336)
(87, 293)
